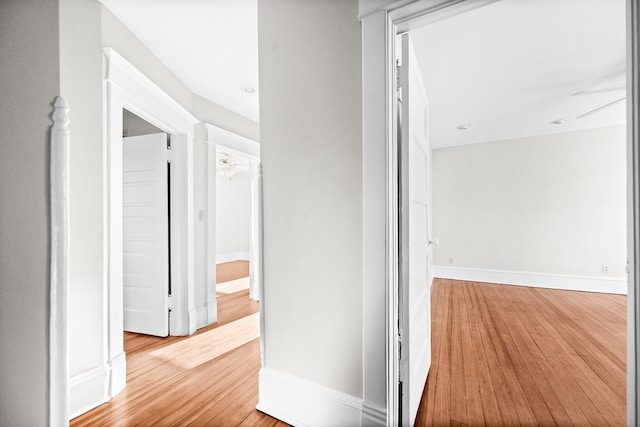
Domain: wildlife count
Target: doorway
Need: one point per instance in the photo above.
(146, 196)
(126, 88)
(382, 25)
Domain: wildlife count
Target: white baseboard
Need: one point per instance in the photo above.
(373, 415)
(212, 312)
(118, 374)
(88, 390)
(193, 320)
(303, 403)
(207, 314)
(232, 256)
(610, 285)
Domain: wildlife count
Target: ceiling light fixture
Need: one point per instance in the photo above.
(559, 121)
(249, 89)
(462, 127)
(226, 166)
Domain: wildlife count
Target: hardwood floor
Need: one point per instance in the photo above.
(208, 379)
(501, 356)
(231, 271)
(510, 355)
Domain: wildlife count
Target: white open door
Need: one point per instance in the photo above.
(414, 166)
(146, 263)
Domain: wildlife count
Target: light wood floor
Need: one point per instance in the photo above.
(180, 381)
(509, 356)
(501, 356)
(231, 270)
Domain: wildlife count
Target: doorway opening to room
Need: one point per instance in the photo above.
(146, 227)
(235, 173)
(548, 152)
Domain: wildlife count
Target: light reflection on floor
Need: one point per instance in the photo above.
(198, 349)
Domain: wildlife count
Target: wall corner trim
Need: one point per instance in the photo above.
(610, 285)
(373, 415)
(304, 403)
(88, 390)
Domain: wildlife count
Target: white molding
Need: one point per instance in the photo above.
(203, 314)
(232, 256)
(212, 312)
(377, 249)
(373, 415)
(117, 374)
(211, 229)
(232, 142)
(256, 234)
(58, 299)
(633, 210)
(152, 103)
(611, 285)
(304, 403)
(88, 390)
(192, 321)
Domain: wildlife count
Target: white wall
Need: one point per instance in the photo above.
(550, 204)
(28, 86)
(208, 112)
(233, 214)
(311, 151)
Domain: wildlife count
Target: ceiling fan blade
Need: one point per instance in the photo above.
(602, 107)
(592, 91)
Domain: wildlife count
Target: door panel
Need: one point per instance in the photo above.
(146, 234)
(415, 248)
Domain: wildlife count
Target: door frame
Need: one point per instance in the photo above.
(221, 140)
(248, 149)
(127, 88)
(381, 21)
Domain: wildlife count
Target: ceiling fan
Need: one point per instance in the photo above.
(602, 107)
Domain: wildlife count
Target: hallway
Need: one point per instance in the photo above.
(210, 378)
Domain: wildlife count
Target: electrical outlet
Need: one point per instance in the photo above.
(605, 269)
(201, 215)
(450, 260)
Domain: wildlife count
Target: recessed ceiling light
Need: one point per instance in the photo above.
(462, 127)
(559, 121)
(249, 89)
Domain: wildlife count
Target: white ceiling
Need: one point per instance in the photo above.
(507, 70)
(210, 45)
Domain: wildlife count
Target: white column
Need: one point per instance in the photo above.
(58, 334)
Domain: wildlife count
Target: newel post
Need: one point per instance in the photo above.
(58, 340)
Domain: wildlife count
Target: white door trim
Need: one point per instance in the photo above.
(633, 210)
(126, 87)
(381, 21)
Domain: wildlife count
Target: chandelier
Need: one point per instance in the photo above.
(226, 166)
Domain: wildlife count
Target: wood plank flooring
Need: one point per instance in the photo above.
(510, 355)
(501, 356)
(192, 381)
(228, 271)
